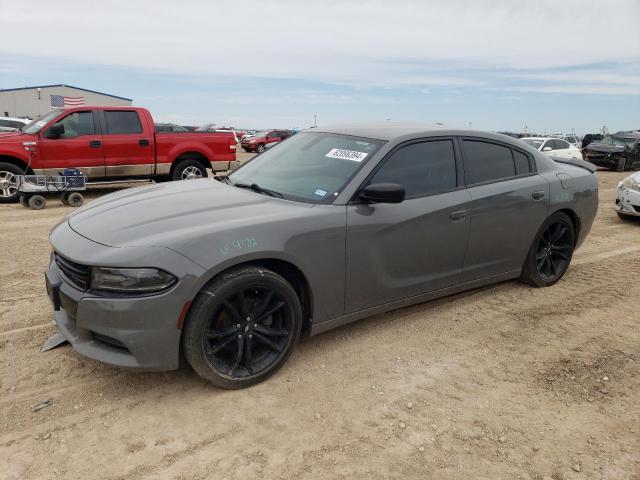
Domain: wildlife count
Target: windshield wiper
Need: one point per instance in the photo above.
(257, 188)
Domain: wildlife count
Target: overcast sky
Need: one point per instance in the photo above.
(549, 65)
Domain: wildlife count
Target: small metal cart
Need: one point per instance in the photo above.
(33, 187)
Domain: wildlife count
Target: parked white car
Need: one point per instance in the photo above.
(9, 124)
(574, 140)
(555, 147)
(628, 197)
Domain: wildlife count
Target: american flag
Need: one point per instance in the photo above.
(60, 101)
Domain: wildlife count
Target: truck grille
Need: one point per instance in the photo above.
(76, 274)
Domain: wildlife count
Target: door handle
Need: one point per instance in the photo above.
(95, 143)
(538, 195)
(143, 142)
(457, 215)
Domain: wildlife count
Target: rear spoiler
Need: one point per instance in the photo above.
(576, 162)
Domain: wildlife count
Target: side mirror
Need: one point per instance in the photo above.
(382, 193)
(547, 149)
(55, 131)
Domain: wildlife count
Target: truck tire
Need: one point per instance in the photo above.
(37, 202)
(9, 182)
(189, 170)
(622, 163)
(24, 201)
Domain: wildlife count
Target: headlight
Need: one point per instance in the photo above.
(631, 184)
(131, 280)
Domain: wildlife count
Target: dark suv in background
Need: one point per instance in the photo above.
(259, 141)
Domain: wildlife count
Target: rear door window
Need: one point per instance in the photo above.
(121, 122)
(485, 162)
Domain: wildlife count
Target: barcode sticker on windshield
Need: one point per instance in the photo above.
(347, 154)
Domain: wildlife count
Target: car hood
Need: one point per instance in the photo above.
(11, 136)
(605, 148)
(165, 214)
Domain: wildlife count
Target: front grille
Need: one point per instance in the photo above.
(76, 274)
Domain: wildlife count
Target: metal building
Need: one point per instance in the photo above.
(35, 101)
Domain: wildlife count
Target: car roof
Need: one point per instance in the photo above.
(388, 131)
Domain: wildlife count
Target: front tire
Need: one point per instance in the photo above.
(550, 252)
(260, 148)
(242, 327)
(189, 170)
(621, 165)
(9, 182)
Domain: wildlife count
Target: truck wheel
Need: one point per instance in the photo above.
(24, 201)
(260, 148)
(9, 182)
(75, 200)
(622, 163)
(64, 198)
(189, 170)
(37, 202)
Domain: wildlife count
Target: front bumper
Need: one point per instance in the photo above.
(134, 332)
(627, 202)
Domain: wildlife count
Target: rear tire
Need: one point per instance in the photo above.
(242, 327)
(550, 252)
(24, 201)
(75, 200)
(621, 165)
(9, 182)
(37, 202)
(189, 170)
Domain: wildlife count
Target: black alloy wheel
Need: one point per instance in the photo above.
(551, 252)
(242, 327)
(260, 148)
(554, 251)
(248, 332)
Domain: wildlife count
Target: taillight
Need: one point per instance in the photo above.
(232, 146)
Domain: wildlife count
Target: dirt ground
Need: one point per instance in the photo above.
(504, 382)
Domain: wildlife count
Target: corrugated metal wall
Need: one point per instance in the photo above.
(31, 103)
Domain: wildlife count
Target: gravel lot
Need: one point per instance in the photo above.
(502, 382)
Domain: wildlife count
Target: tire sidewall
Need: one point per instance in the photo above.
(9, 167)
(208, 301)
(530, 271)
(183, 164)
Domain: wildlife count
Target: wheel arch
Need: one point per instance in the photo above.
(18, 162)
(575, 221)
(287, 270)
(190, 155)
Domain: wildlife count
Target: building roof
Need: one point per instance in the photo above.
(64, 85)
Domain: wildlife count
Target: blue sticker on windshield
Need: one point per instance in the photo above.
(320, 192)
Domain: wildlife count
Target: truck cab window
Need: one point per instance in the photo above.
(77, 124)
(122, 122)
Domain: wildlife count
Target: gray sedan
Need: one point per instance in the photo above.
(329, 227)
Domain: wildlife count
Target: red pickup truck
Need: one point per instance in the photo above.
(108, 143)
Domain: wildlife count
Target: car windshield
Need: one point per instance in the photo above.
(263, 133)
(534, 142)
(36, 125)
(613, 140)
(308, 167)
